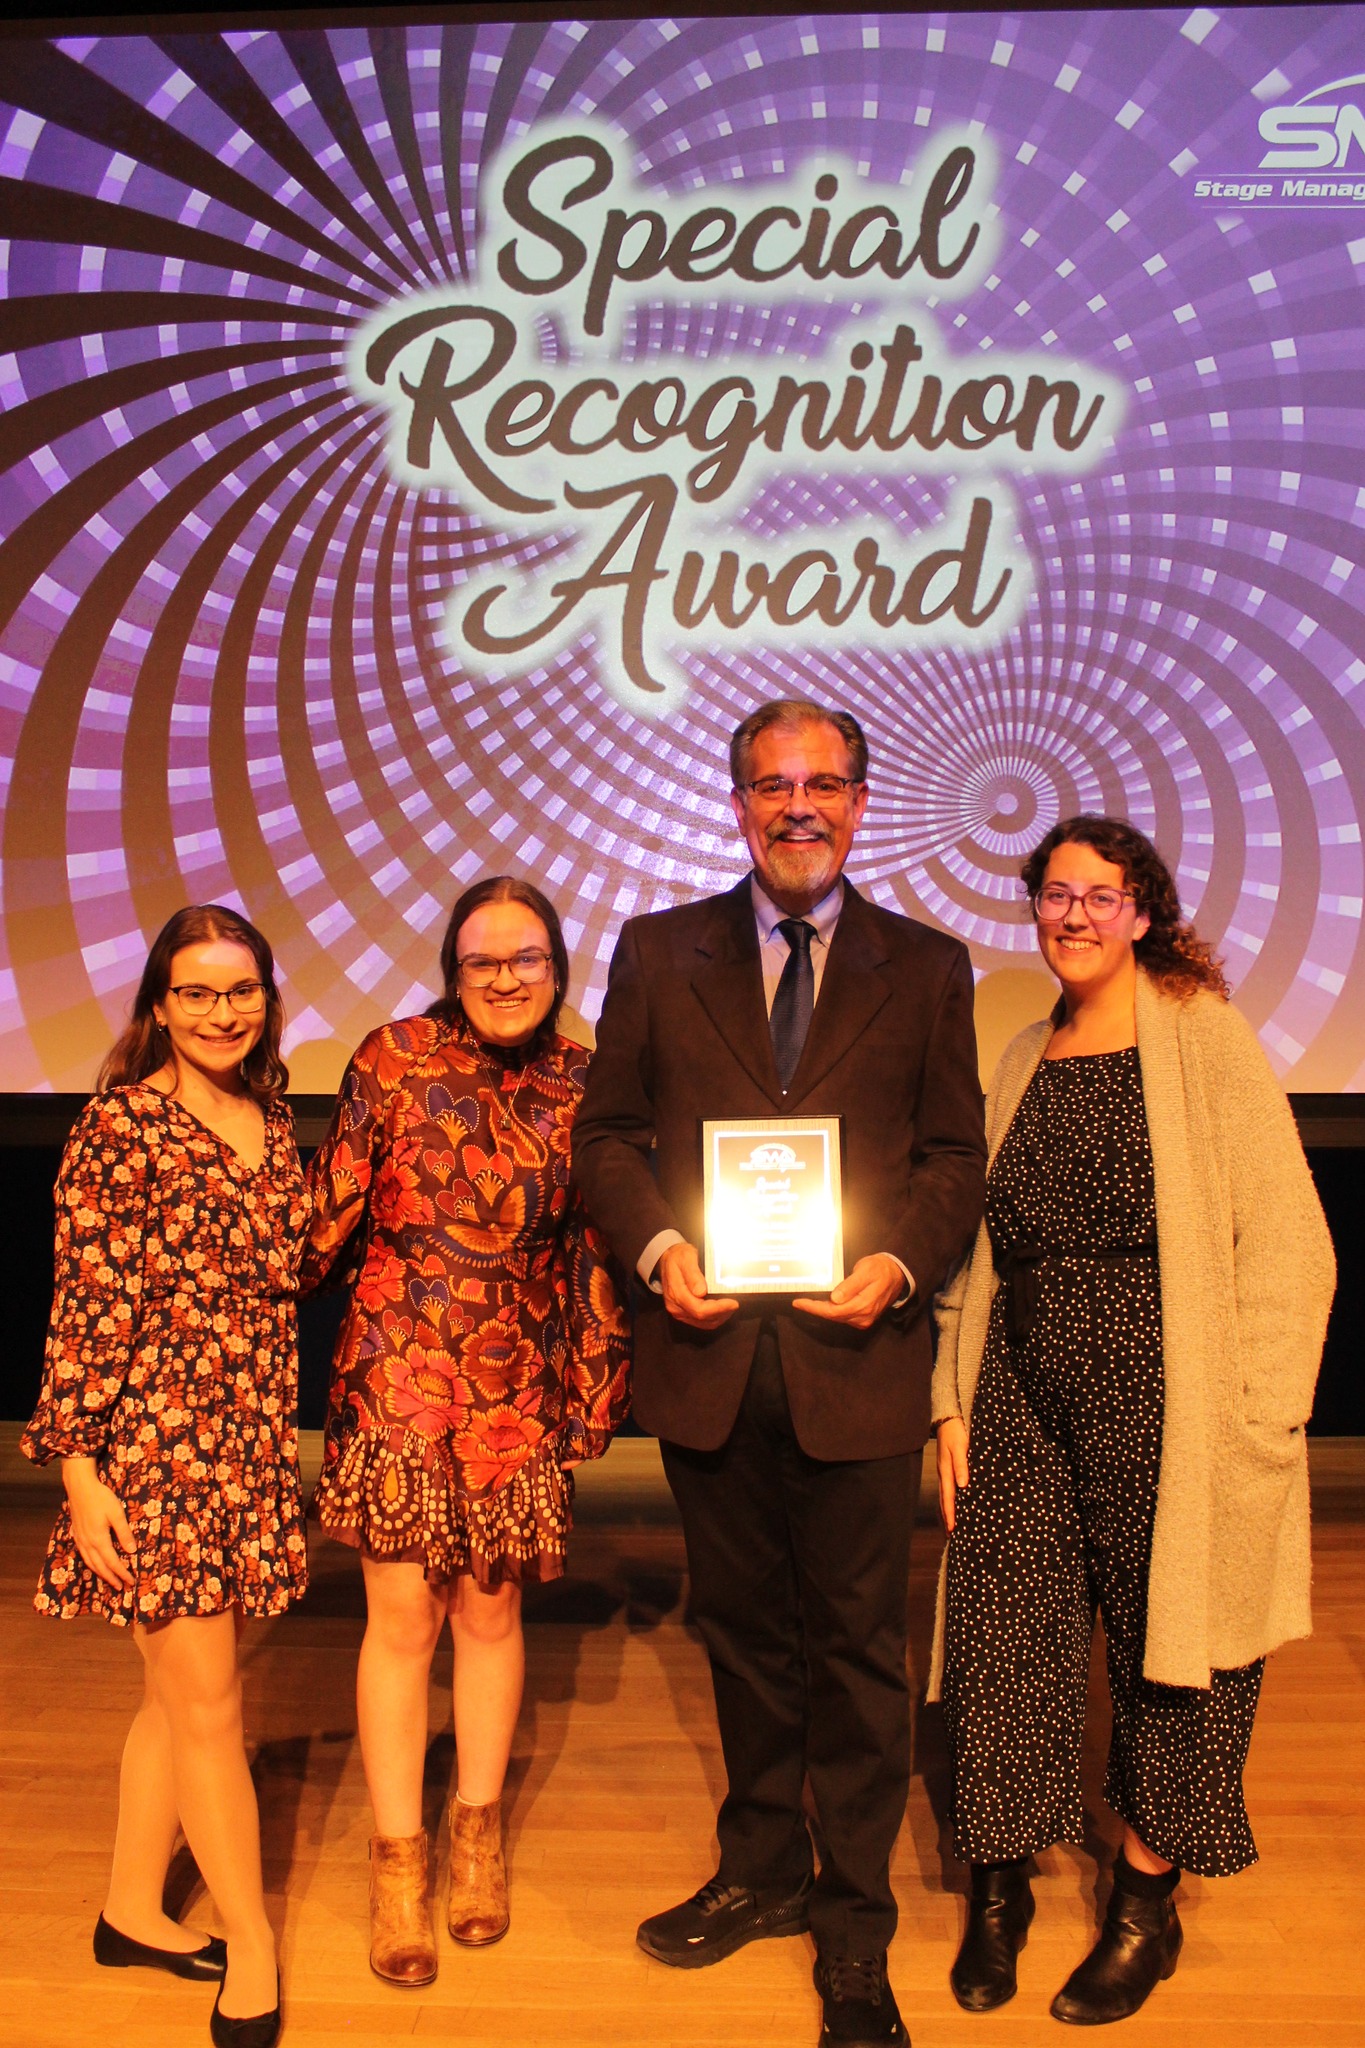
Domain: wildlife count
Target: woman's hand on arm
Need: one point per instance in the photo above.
(98, 1523)
(952, 1467)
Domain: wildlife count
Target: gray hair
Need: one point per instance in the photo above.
(793, 712)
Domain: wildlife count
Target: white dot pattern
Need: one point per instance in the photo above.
(1056, 1523)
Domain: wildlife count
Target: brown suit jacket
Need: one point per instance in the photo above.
(684, 1035)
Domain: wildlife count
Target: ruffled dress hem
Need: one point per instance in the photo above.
(395, 1507)
(276, 1578)
(123, 1616)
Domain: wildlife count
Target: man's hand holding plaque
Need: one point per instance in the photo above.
(683, 1286)
(866, 1293)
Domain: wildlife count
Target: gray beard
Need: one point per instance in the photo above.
(800, 869)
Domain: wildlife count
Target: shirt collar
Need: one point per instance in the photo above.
(824, 916)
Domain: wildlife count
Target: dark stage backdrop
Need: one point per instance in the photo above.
(420, 443)
(28, 1169)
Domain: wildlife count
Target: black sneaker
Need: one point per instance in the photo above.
(859, 2005)
(716, 1921)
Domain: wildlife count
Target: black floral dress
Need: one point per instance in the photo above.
(172, 1360)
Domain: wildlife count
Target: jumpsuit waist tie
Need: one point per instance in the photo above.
(1020, 1272)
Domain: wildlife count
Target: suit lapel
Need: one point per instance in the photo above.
(728, 980)
(852, 990)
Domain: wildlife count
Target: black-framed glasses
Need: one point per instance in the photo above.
(821, 789)
(481, 970)
(247, 998)
(1101, 906)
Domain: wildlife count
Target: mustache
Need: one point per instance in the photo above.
(810, 828)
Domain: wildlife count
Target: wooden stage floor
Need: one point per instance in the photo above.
(611, 1797)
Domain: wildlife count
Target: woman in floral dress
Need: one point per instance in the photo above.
(169, 1395)
(484, 1355)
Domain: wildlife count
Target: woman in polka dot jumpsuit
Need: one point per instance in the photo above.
(1053, 1513)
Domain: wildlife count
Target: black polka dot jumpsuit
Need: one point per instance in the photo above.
(1057, 1520)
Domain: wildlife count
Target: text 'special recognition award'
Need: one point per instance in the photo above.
(774, 1204)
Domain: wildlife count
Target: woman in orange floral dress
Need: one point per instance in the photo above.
(169, 1395)
(484, 1354)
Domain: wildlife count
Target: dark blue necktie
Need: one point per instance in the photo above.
(794, 1000)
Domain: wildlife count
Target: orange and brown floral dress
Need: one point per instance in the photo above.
(484, 1346)
(172, 1360)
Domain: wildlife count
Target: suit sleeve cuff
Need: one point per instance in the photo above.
(654, 1251)
(903, 1300)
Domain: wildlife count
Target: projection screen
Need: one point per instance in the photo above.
(423, 443)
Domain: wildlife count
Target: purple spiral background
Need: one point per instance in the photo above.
(223, 673)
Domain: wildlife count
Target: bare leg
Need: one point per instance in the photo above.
(148, 1824)
(406, 1616)
(192, 1668)
(1139, 1857)
(490, 1668)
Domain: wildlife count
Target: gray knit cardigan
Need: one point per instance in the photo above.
(1247, 1276)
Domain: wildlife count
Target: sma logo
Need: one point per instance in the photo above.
(1317, 131)
(772, 1158)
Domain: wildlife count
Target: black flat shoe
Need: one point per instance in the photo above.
(717, 1920)
(120, 1952)
(985, 1974)
(257, 2030)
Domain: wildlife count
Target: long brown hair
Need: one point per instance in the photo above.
(502, 889)
(1170, 950)
(144, 1046)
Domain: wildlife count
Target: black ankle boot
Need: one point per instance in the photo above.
(997, 1927)
(1137, 1950)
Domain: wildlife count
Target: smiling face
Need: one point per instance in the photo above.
(799, 847)
(213, 1046)
(1087, 956)
(508, 1011)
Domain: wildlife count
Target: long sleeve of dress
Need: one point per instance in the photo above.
(101, 1201)
(342, 1168)
(597, 1372)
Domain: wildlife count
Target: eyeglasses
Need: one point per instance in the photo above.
(480, 970)
(1101, 906)
(247, 998)
(821, 789)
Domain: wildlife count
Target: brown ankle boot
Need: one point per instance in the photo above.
(402, 1944)
(477, 1912)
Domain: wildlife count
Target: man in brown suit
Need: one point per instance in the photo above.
(790, 1430)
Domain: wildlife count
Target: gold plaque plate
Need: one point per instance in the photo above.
(774, 1204)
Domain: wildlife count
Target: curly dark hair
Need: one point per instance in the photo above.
(1178, 961)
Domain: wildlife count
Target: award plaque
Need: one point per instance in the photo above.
(774, 1204)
